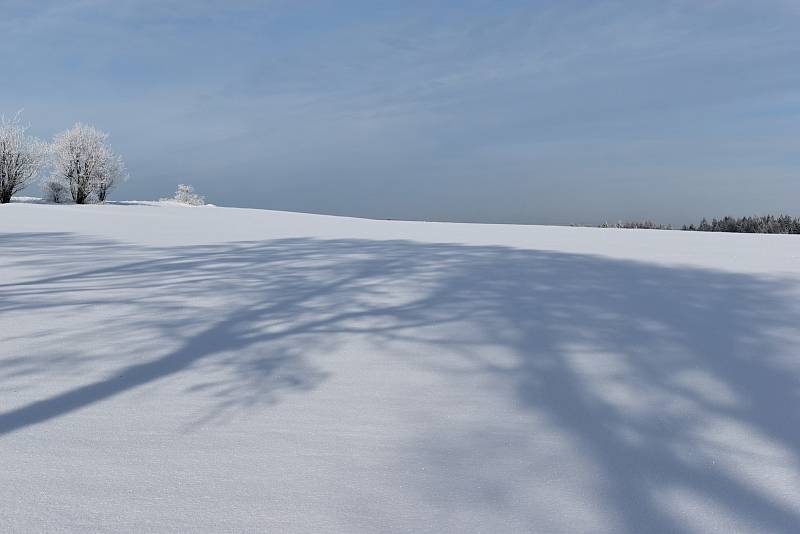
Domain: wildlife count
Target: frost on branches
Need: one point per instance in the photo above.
(55, 192)
(85, 165)
(185, 195)
(21, 157)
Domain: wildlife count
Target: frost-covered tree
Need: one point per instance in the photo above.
(113, 173)
(764, 224)
(54, 192)
(84, 163)
(21, 157)
(185, 195)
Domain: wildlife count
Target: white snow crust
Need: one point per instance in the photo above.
(165, 369)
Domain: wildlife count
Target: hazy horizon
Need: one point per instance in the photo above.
(520, 112)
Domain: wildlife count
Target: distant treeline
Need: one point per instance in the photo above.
(764, 224)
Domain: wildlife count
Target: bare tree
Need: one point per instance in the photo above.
(21, 157)
(85, 164)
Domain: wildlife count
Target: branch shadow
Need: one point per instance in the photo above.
(652, 370)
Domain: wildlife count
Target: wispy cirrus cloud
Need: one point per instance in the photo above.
(487, 111)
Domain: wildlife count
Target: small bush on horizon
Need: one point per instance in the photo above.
(186, 195)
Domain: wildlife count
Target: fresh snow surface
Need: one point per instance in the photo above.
(165, 369)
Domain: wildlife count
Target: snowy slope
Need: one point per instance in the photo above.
(213, 369)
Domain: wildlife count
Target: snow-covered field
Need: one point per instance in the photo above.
(214, 369)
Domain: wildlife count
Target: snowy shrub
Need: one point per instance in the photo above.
(185, 195)
(55, 192)
(21, 157)
(85, 165)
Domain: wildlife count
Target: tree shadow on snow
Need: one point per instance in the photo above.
(633, 361)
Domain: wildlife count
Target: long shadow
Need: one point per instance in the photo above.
(691, 347)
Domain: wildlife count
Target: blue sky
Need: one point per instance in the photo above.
(499, 111)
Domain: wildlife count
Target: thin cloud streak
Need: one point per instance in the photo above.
(450, 110)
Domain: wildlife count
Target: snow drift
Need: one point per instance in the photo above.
(216, 369)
